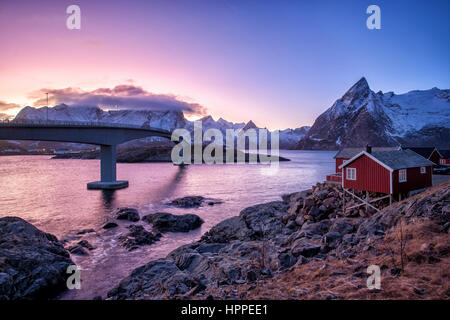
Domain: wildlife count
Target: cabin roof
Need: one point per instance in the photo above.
(445, 153)
(395, 159)
(423, 151)
(348, 153)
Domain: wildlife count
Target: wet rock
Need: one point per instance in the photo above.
(157, 278)
(86, 244)
(110, 225)
(137, 236)
(166, 222)
(188, 202)
(78, 250)
(84, 231)
(130, 214)
(33, 263)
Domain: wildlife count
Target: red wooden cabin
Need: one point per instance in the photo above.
(430, 153)
(389, 172)
(348, 153)
(444, 157)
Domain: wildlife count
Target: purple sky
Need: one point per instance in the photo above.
(279, 63)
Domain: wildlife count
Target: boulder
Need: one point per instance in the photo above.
(110, 225)
(78, 250)
(125, 213)
(305, 248)
(137, 236)
(33, 263)
(167, 222)
(188, 202)
(157, 278)
(230, 229)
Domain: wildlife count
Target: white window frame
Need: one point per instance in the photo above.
(442, 161)
(423, 170)
(350, 173)
(402, 177)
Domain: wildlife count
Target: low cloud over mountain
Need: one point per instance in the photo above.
(125, 96)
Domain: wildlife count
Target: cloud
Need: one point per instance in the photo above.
(124, 96)
(5, 116)
(5, 106)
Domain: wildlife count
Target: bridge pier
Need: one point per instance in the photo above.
(108, 160)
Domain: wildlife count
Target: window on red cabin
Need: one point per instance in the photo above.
(402, 175)
(351, 173)
(423, 170)
(442, 161)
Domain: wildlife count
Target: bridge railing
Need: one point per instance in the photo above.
(59, 123)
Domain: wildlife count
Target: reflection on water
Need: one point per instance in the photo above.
(52, 195)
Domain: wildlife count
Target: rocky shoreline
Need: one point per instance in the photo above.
(247, 256)
(301, 247)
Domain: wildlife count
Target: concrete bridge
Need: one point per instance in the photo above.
(105, 135)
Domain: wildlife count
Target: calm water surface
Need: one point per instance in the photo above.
(52, 195)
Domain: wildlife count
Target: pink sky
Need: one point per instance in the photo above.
(280, 66)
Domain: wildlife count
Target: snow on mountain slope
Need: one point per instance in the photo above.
(417, 109)
(168, 120)
(362, 116)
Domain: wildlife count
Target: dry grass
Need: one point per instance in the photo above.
(425, 275)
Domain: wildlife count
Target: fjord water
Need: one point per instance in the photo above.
(52, 195)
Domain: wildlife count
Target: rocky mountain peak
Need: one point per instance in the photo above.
(250, 125)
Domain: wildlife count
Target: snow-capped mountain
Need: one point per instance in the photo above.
(361, 116)
(168, 120)
(290, 137)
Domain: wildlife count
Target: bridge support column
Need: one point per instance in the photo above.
(108, 159)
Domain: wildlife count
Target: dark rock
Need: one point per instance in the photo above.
(78, 250)
(230, 229)
(137, 236)
(110, 225)
(251, 276)
(188, 202)
(33, 263)
(419, 291)
(97, 298)
(130, 214)
(86, 244)
(286, 260)
(166, 222)
(332, 238)
(266, 272)
(305, 248)
(291, 225)
(84, 231)
(317, 229)
(396, 271)
(159, 277)
(342, 226)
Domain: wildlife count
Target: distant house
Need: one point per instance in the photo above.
(430, 153)
(390, 172)
(444, 157)
(348, 153)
